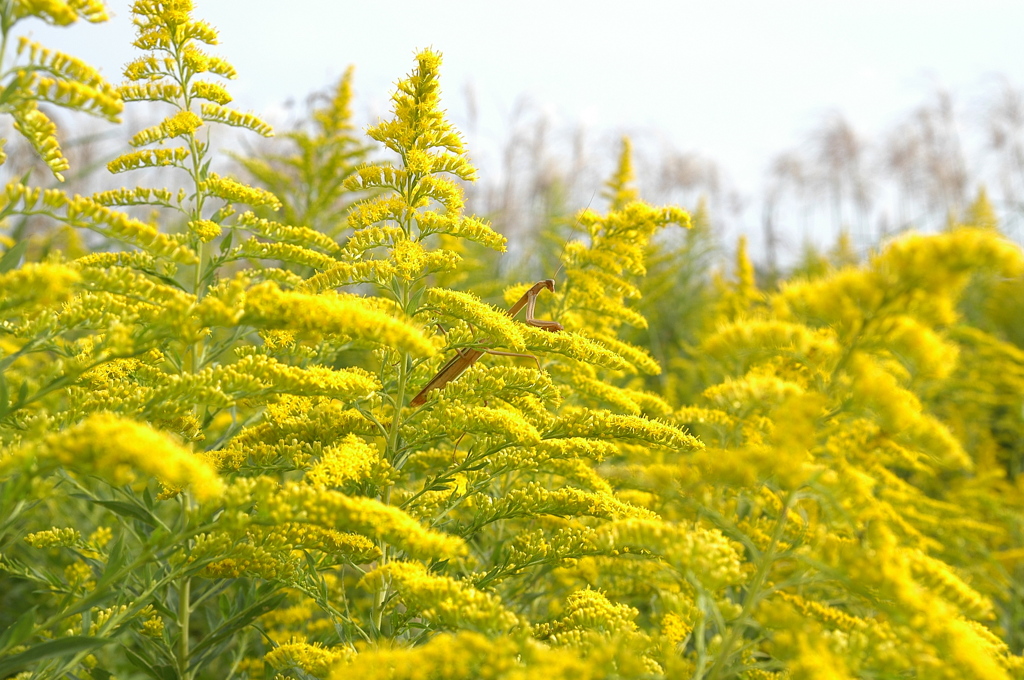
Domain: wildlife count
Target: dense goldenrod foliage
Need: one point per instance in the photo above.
(219, 459)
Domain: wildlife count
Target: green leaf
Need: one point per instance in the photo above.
(150, 669)
(19, 630)
(128, 510)
(116, 559)
(5, 396)
(67, 646)
(236, 623)
(416, 298)
(12, 90)
(225, 244)
(13, 256)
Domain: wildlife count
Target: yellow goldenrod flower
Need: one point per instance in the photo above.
(148, 158)
(153, 627)
(236, 192)
(286, 233)
(705, 553)
(331, 509)
(215, 113)
(588, 610)
(469, 656)
(467, 307)
(121, 451)
(269, 307)
(675, 628)
(53, 538)
(206, 230)
(443, 600)
(36, 285)
(314, 658)
(42, 135)
(350, 461)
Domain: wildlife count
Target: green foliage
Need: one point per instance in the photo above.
(224, 453)
(309, 181)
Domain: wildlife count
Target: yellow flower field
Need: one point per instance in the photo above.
(224, 452)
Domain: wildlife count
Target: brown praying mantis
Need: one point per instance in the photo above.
(467, 357)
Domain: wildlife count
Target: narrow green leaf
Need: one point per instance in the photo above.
(116, 559)
(149, 668)
(17, 632)
(67, 646)
(128, 510)
(5, 396)
(13, 256)
(225, 244)
(236, 623)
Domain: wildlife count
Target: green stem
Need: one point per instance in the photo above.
(381, 595)
(3, 39)
(184, 610)
(753, 594)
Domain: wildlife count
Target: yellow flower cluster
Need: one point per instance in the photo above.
(236, 192)
(54, 538)
(591, 423)
(351, 460)
(85, 212)
(675, 628)
(267, 306)
(57, 78)
(153, 627)
(588, 610)
(256, 374)
(62, 12)
(36, 286)
(460, 226)
(206, 230)
(138, 196)
(443, 600)
(285, 252)
(286, 233)
(706, 554)
(419, 122)
(314, 658)
(469, 656)
(534, 499)
(215, 113)
(467, 307)
(150, 92)
(573, 346)
(302, 503)
(452, 417)
(41, 133)
(214, 92)
(180, 124)
(122, 450)
(148, 158)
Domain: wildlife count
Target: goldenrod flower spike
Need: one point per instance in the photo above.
(119, 450)
(170, 73)
(44, 75)
(430, 149)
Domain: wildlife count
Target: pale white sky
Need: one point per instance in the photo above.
(736, 81)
